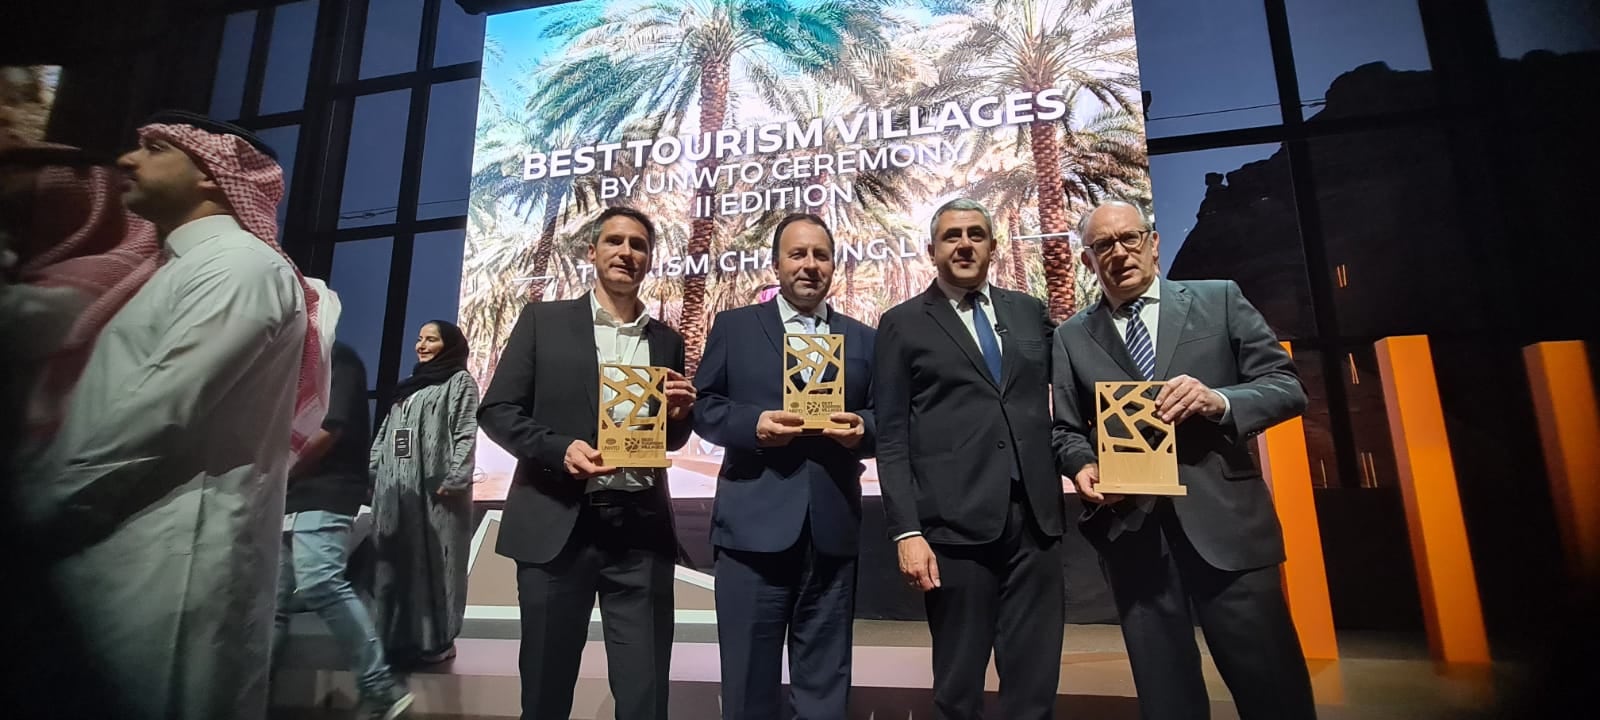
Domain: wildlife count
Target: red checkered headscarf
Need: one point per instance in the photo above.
(83, 239)
(252, 182)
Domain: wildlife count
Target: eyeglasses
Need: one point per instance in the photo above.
(1130, 242)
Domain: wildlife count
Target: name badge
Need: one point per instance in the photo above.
(402, 442)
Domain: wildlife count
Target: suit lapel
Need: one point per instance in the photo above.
(772, 324)
(660, 344)
(662, 347)
(587, 359)
(1172, 318)
(938, 307)
(1104, 333)
(1005, 311)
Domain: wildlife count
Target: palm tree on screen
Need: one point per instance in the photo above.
(663, 59)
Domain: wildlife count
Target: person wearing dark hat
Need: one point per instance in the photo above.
(162, 493)
(78, 255)
(66, 246)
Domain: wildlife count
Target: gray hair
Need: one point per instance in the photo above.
(1144, 215)
(957, 205)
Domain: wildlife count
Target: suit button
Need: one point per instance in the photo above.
(1001, 444)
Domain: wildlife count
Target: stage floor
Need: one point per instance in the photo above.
(1380, 676)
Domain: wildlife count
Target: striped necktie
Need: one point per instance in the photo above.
(1137, 339)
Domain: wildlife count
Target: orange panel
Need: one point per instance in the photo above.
(1287, 468)
(1445, 578)
(1563, 398)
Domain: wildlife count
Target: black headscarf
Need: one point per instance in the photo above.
(450, 360)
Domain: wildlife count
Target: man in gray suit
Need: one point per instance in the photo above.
(1217, 549)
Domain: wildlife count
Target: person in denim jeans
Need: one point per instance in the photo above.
(326, 490)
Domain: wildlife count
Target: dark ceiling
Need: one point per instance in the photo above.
(64, 32)
(59, 32)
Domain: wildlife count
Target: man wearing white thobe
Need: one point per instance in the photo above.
(163, 492)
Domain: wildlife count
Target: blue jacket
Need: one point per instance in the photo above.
(765, 495)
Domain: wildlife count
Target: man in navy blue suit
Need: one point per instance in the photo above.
(788, 510)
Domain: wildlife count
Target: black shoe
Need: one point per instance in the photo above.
(434, 658)
(395, 708)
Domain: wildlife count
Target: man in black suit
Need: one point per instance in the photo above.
(788, 510)
(1217, 548)
(969, 486)
(575, 525)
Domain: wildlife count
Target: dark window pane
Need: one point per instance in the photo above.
(285, 140)
(1559, 26)
(460, 36)
(1494, 435)
(1333, 39)
(447, 156)
(1544, 189)
(1320, 452)
(390, 43)
(1206, 66)
(435, 292)
(372, 167)
(361, 278)
(294, 27)
(1369, 419)
(1372, 583)
(1399, 259)
(233, 61)
(1230, 214)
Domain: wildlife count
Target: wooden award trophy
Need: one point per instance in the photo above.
(813, 378)
(1138, 452)
(638, 395)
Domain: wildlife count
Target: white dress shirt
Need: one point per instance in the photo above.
(620, 343)
(795, 322)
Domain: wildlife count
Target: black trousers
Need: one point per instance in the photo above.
(765, 599)
(1156, 576)
(625, 555)
(1006, 596)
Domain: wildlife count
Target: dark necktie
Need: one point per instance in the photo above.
(987, 341)
(1137, 339)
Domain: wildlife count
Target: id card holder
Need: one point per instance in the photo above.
(402, 442)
